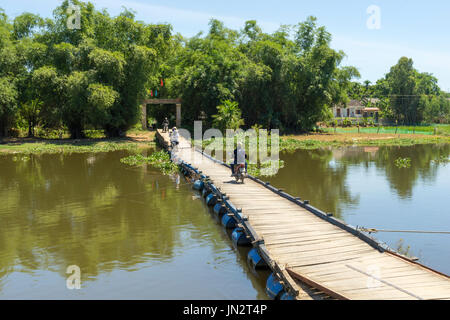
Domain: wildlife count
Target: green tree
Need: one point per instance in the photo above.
(408, 90)
(8, 104)
(310, 74)
(110, 61)
(436, 109)
(5, 30)
(30, 112)
(49, 87)
(208, 71)
(228, 116)
(100, 100)
(75, 113)
(25, 25)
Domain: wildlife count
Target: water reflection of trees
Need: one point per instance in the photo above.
(89, 210)
(320, 175)
(313, 175)
(401, 180)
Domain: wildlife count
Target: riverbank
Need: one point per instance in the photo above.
(319, 140)
(134, 140)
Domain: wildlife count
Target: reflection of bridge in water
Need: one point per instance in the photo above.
(311, 254)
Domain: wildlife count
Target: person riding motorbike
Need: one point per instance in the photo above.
(239, 158)
(174, 137)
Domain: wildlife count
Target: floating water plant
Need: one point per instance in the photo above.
(20, 158)
(67, 147)
(403, 162)
(159, 160)
(266, 169)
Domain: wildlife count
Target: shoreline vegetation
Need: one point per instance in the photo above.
(134, 140)
(320, 140)
(137, 139)
(56, 80)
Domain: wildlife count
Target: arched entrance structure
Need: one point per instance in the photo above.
(176, 102)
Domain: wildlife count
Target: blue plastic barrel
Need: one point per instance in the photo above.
(198, 185)
(211, 199)
(286, 296)
(239, 237)
(273, 287)
(205, 192)
(220, 209)
(228, 222)
(255, 260)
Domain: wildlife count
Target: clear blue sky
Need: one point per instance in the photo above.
(416, 29)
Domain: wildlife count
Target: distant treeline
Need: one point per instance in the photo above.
(405, 95)
(95, 77)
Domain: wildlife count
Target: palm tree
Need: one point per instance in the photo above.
(228, 116)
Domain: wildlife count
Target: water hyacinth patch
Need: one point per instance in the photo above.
(403, 162)
(159, 160)
(265, 169)
(69, 147)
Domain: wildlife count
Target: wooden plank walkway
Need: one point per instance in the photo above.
(316, 252)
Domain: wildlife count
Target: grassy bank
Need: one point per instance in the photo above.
(320, 140)
(437, 129)
(136, 139)
(313, 141)
(133, 141)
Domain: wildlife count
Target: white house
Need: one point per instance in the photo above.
(355, 109)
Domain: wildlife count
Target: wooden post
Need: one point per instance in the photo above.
(178, 115)
(144, 116)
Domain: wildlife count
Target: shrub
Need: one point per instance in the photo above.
(346, 122)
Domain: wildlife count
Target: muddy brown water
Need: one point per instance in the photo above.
(364, 187)
(137, 234)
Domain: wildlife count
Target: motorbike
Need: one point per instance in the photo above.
(240, 172)
(174, 146)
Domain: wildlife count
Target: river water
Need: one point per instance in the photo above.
(137, 234)
(134, 233)
(364, 187)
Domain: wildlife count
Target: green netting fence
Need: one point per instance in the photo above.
(392, 130)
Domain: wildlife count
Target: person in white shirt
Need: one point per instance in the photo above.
(174, 137)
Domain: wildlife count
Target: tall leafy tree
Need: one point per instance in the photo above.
(110, 60)
(228, 116)
(8, 104)
(209, 70)
(31, 112)
(409, 91)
